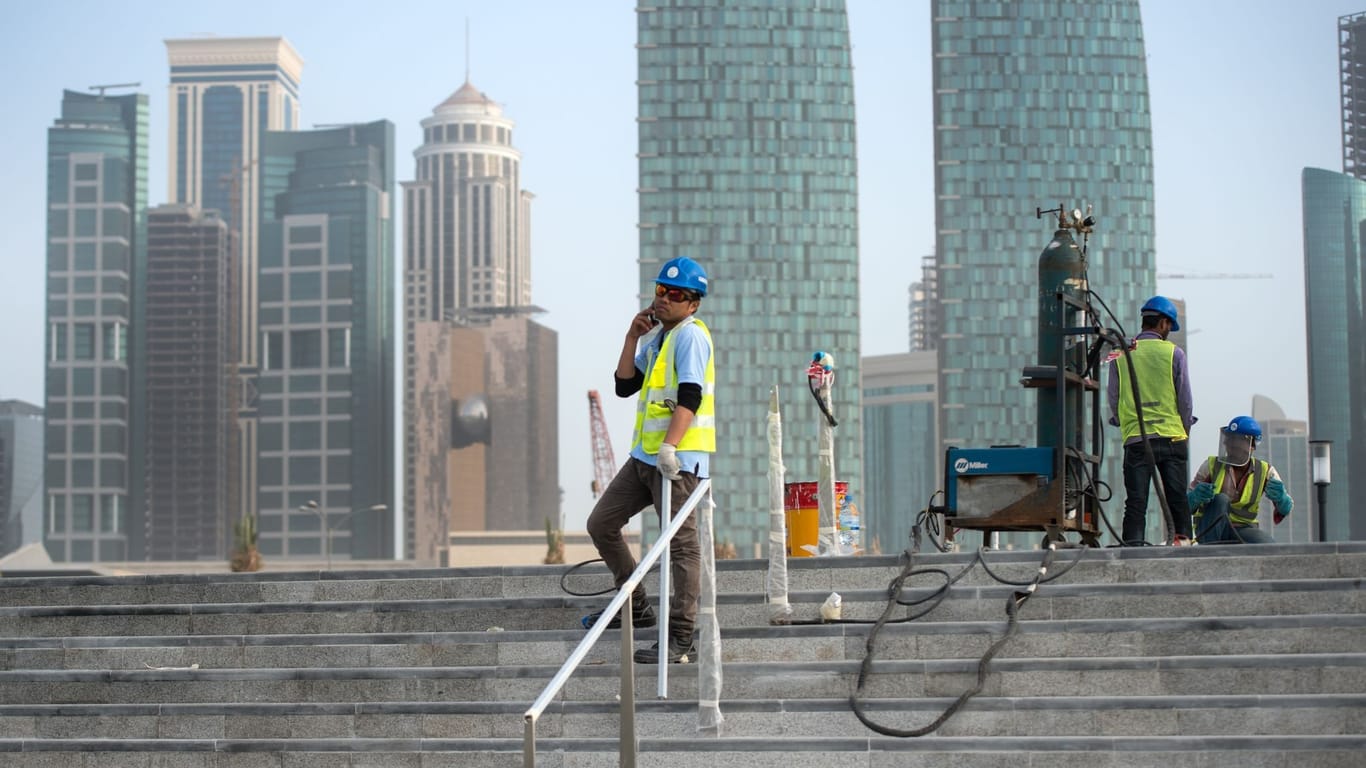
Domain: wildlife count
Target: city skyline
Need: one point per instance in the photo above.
(1216, 212)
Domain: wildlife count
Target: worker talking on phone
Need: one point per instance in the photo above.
(667, 357)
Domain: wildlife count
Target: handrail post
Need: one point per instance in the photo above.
(627, 730)
(665, 517)
(529, 743)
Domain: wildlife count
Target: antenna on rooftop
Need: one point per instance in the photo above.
(103, 88)
(467, 49)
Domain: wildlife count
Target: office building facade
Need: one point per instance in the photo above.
(1035, 104)
(902, 462)
(189, 405)
(97, 196)
(1335, 323)
(747, 164)
(325, 386)
(21, 474)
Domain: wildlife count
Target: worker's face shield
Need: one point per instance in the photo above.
(1235, 450)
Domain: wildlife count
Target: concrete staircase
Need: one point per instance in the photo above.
(1252, 656)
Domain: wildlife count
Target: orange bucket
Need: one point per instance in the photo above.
(803, 514)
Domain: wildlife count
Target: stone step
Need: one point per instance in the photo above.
(1265, 674)
(1054, 601)
(1314, 751)
(1102, 566)
(1341, 714)
(1320, 633)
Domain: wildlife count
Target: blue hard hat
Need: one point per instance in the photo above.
(1163, 306)
(1244, 425)
(683, 272)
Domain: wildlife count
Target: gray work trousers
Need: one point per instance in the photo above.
(634, 488)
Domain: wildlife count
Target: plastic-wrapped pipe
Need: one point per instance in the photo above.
(779, 610)
(708, 628)
(825, 478)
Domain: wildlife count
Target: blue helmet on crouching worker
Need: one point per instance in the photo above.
(1161, 305)
(683, 272)
(1238, 440)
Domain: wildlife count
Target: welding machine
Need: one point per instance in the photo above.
(981, 482)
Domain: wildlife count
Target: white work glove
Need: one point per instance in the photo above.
(667, 461)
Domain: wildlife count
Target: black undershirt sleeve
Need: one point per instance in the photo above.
(690, 396)
(628, 387)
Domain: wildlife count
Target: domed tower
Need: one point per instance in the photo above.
(467, 242)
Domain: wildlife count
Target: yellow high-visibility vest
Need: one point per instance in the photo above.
(1251, 499)
(1153, 362)
(659, 396)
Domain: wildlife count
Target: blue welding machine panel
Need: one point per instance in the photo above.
(960, 462)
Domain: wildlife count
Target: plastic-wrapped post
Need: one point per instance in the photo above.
(822, 371)
(779, 610)
(708, 628)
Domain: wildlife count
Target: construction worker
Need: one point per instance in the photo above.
(673, 369)
(1156, 368)
(1227, 491)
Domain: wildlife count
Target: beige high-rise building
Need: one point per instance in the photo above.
(467, 286)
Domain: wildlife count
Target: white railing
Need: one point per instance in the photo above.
(621, 605)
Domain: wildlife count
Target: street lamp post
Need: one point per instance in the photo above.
(1321, 473)
(328, 528)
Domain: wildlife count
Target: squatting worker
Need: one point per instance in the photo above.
(668, 358)
(1227, 491)
(1164, 385)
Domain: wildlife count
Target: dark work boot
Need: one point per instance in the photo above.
(682, 650)
(642, 616)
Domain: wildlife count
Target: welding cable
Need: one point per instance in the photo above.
(931, 522)
(820, 401)
(1016, 600)
(564, 577)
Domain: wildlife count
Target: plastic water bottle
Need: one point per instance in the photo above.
(849, 534)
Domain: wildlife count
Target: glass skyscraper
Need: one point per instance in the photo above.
(1334, 274)
(225, 93)
(901, 459)
(1035, 104)
(326, 395)
(96, 199)
(747, 164)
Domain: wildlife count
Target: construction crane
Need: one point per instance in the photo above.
(1214, 275)
(604, 464)
(107, 86)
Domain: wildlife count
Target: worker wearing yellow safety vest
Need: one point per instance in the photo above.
(1163, 383)
(1227, 491)
(668, 358)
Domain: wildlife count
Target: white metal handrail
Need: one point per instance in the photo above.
(622, 598)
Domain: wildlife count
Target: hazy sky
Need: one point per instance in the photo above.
(1244, 95)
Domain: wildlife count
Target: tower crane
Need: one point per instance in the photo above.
(604, 464)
